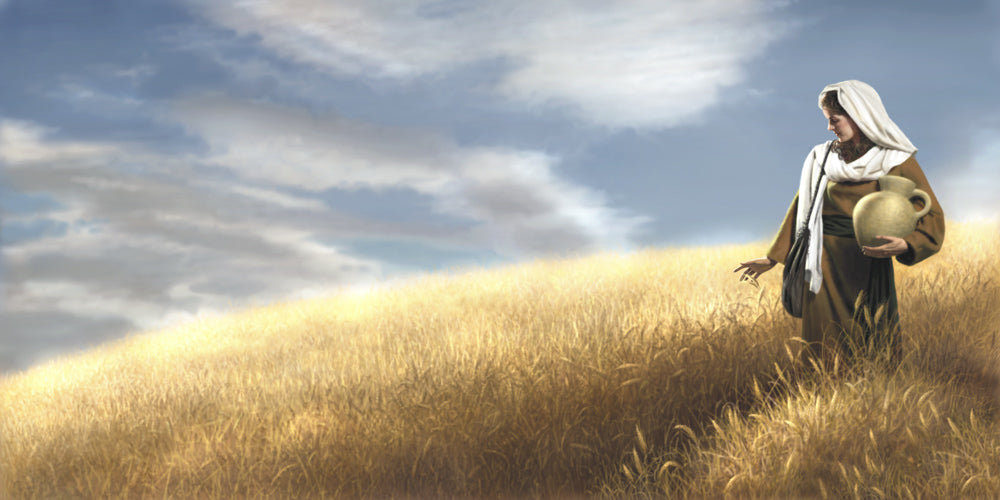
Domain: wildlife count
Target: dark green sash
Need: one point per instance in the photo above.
(881, 288)
(838, 225)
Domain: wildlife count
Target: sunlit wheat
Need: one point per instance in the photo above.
(651, 374)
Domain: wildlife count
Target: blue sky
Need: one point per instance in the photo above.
(163, 161)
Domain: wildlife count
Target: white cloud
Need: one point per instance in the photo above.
(527, 209)
(277, 198)
(292, 147)
(21, 143)
(641, 64)
(524, 208)
(354, 37)
(644, 63)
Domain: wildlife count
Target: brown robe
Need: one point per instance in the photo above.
(827, 316)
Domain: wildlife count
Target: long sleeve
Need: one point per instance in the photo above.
(783, 240)
(926, 240)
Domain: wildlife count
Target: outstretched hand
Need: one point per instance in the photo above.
(895, 246)
(754, 268)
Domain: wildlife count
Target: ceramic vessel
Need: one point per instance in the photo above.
(889, 211)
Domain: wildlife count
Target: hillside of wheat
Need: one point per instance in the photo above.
(651, 374)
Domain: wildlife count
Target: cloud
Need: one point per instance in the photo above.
(278, 198)
(643, 64)
(521, 205)
(528, 210)
(617, 64)
(32, 337)
(293, 147)
(21, 143)
(89, 99)
(150, 239)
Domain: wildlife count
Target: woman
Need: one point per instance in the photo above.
(868, 146)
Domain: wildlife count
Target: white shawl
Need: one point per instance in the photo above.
(892, 147)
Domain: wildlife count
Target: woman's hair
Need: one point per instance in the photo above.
(831, 102)
(849, 151)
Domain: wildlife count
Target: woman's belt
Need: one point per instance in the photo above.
(838, 225)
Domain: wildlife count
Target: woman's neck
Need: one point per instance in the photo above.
(853, 149)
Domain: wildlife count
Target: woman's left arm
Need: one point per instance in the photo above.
(926, 240)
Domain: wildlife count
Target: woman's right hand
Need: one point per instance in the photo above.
(755, 267)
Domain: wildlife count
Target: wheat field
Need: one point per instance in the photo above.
(646, 375)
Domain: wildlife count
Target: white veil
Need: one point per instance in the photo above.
(864, 105)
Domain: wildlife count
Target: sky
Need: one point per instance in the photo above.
(164, 161)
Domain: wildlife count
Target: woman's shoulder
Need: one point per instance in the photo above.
(821, 147)
(901, 161)
(819, 150)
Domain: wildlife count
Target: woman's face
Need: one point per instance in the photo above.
(842, 126)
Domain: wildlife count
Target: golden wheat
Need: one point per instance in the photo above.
(651, 374)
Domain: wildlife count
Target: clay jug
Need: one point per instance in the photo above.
(888, 211)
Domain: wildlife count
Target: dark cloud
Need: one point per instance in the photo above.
(31, 337)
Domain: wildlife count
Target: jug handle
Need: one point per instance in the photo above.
(917, 193)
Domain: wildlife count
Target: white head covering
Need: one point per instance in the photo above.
(865, 107)
(892, 147)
